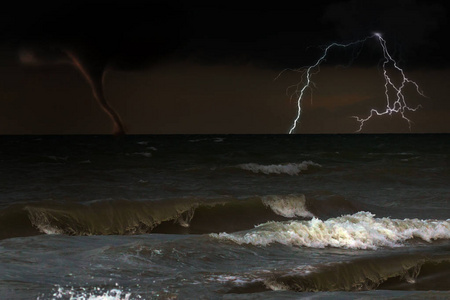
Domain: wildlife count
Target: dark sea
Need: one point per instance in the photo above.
(225, 217)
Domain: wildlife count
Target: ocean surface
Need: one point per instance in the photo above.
(225, 217)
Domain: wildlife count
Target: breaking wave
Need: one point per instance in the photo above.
(125, 217)
(357, 231)
(289, 168)
(96, 293)
(407, 271)
(289, 206)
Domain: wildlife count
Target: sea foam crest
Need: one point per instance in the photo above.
(96, 294)
(358, 231)
(289, 168)
(289, 206)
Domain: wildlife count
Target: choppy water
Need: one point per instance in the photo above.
(225, 217)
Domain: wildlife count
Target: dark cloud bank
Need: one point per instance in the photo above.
(132, 35)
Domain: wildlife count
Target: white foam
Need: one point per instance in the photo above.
(238, 280)
(358, 231)
(47, 229)
(96, 294)
(260, 276)
(289, 206)
(289, 168)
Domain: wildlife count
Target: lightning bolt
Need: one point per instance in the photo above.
(397, 105)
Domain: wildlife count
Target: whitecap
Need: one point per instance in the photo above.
(94, 294)
(358, 231)
(289, 206)
(145, 154)
(289, 168)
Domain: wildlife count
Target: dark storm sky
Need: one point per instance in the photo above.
(210, 66)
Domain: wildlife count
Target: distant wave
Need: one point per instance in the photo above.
(57, 158)
(289, 168)
(357, 231)
(124, 217)
(214, 139)
(145, 154)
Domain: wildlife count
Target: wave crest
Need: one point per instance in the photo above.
(289, 206)
(358, 231)
(406, 271)
(289, 168)
(189, 215)
(108, 217)
(125, 217)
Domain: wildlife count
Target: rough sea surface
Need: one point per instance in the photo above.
(225, 217)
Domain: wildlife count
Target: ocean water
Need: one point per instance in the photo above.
(225, 217)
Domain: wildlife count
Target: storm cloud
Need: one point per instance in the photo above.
(412, 28)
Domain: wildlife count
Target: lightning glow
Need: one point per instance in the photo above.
(397, 105)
